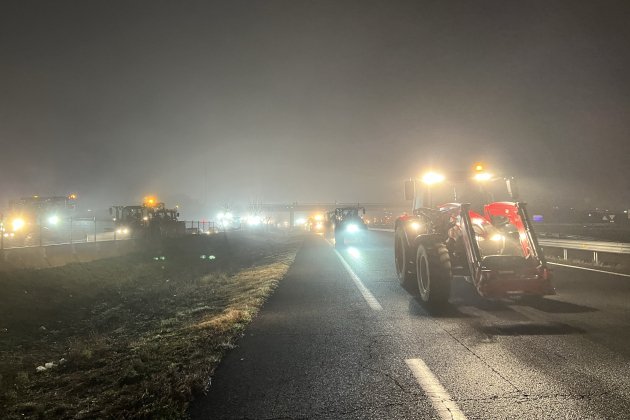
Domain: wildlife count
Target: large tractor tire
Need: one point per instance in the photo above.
(433, 274)
(405, 270)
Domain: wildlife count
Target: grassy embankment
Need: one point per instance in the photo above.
(131, 337)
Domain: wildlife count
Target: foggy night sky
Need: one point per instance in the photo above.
(311, 101)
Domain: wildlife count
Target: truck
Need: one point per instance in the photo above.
(150, 219)
(491, 244)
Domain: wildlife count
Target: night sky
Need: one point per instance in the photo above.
(207, 103)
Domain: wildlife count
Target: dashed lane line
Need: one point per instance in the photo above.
(446, 408)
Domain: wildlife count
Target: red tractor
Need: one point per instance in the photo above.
(492, 244)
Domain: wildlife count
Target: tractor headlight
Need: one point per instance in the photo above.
(352, 228)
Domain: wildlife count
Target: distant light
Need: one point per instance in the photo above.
(432, 178)
(17, 223)
(300, 221)
(496, 237)
(53, 220)
(319, 217)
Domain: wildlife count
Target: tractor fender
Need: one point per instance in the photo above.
(401, 225)
(427, 239)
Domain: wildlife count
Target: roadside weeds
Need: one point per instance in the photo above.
(137, 341)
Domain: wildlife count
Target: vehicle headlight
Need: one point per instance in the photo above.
(53, 220)
(352, 228)
(17, 224)
(319, 225)
(414, 225)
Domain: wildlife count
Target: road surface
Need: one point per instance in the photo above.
(341, 339)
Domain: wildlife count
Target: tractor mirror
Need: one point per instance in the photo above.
(512, 188)
(410, 189)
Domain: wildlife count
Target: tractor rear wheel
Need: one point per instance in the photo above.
(403, 260)
(433, 274)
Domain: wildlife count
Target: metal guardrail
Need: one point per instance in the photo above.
(565, 244)
(595, 246)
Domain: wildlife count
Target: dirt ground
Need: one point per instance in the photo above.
(135, 336)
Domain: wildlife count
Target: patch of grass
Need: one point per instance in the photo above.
(131, 337)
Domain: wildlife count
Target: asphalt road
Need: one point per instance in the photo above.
(338, 343)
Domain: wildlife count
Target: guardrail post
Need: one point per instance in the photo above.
(595, 259)
(565, 254)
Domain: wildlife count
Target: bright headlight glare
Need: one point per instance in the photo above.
(432, 178)
(414, 225)
(483, 176)
(53, 220)
(17, 224)
(352, 228)
(496, 237)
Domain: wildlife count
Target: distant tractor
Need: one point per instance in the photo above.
(348, 224)
(37, 220)
(490, 243)
(315, 223)
(151, 219)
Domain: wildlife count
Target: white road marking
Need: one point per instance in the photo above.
(367, 295)
(440, 399)
(590, 269)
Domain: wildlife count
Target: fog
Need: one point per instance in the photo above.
(212, 103)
